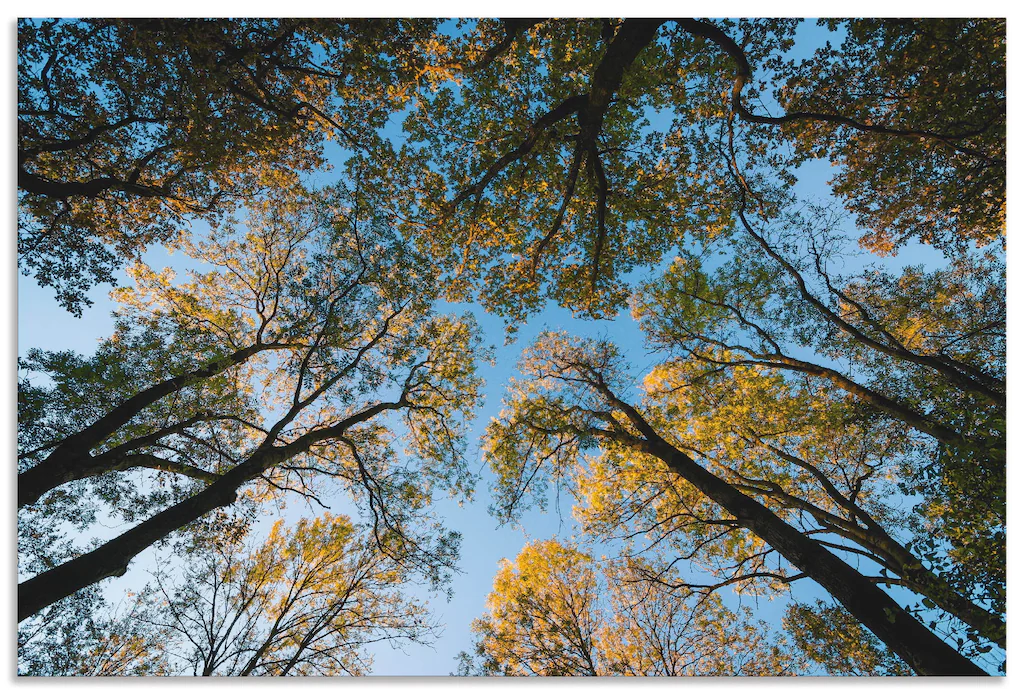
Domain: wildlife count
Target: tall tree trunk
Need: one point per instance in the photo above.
(864, 530)
(72, 460)
(925, 652)
(112, 558)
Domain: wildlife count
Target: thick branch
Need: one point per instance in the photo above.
(563, 110)
(113, 557)
(71, 460)
(38, 185)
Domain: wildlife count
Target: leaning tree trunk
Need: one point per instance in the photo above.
(112, 558)
(71, 460)
(925, 652)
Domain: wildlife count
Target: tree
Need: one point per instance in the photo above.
(537, 178)
(305, 602)
(346, 312)
(543, 616)
(542, 159)
(654, 631)
(572, 402)
(946, 80)
(574, 151)
(130, 129)
(550, 613)
(925, 349)
(825, 467)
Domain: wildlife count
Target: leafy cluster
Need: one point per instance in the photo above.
(555, 611)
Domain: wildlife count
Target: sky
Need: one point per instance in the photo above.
(41, 323)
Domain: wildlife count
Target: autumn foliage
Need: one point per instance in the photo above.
(799, 229)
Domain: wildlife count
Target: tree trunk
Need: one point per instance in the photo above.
(112, 558)
(925, 652)
(895, 556)
(62, 465)
(926, 583)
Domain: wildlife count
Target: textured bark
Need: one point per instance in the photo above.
(891, 553)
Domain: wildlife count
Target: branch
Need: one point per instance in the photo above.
(146, 460)
(570, 187)
(744, 75)
(513, 28)
(560, 112)
(602, 209)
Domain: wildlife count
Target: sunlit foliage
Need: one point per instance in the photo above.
(829, 636)
(824, 398)
(321, 324)
(710, 462)
(556, 611)
(307, 601)
(128, 130)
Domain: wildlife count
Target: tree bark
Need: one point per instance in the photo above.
(113, 557)
(891, 553)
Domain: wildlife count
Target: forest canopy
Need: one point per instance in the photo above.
(780, 244)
